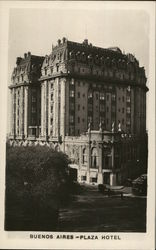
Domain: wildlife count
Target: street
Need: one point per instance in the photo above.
(91, 211)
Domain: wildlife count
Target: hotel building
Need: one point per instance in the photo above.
(86, 101)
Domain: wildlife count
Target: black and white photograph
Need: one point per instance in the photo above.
(79, 156)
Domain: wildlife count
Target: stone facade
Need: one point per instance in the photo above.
(87, 101)
(25, 115)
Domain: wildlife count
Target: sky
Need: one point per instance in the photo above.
(36, 30)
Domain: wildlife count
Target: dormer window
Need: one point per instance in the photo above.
(45, 71)
(102, 96)
(58, 56)
(57, 68)
(90, 95)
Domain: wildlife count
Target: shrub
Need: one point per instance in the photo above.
(36, 186)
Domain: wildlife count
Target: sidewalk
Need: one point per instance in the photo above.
(92, 211)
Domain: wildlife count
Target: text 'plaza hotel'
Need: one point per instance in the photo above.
(86, 101)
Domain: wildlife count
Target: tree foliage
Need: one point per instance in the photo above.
(37, 180)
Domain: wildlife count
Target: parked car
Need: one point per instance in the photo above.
(139, 185)
(111, 190)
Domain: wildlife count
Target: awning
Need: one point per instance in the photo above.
(83, 172)
(93, 174)
(73, 166)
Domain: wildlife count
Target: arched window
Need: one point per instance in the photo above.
(94, 158)
(57, 148)
(84, 156)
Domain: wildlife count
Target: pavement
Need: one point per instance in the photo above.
(92, 211)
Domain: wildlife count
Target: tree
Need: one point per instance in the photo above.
(37, 183)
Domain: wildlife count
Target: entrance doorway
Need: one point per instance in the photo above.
(73, 174)
(106, 178)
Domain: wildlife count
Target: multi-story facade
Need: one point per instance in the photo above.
(93, 107)
(25, 115)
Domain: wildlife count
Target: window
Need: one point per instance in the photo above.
(45, 71)
(71, 93)
(123, 121)
(128, 122)
(72, 82)
(84, 156)
(33, 99)
(107, 97)
(83, 108)
(51, 108)
(83, 178)
(78, 83)
(72, 106)
(90, 95)
(57, 68)
(123, 110)
(123, 98)
(78, 94)
(89, 119)
(33, 121)
(128, 99)
(33, 109)
(51, 96)
(78, 119)
(113, 108)
(83, 95)
(107, 109)
(83, 120)
(119, 110)
(93, 179)
(119, 98)
(97, 96)
(113, 97)
(71, 131)
(71, 119)
(102, 107)
(78, 107)
(90, 107)
(102, 120)
(94, 158)
(128, 110)
(51, 69)
(51, 121)
(102, 96)
(107, 121)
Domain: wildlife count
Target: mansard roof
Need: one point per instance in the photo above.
(68, 53)
(27, 70)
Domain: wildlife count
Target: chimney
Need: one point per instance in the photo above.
(18, 60)
(85, 42)
(64, 39)
(25, 55)
(29, 53)
(59, 41)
